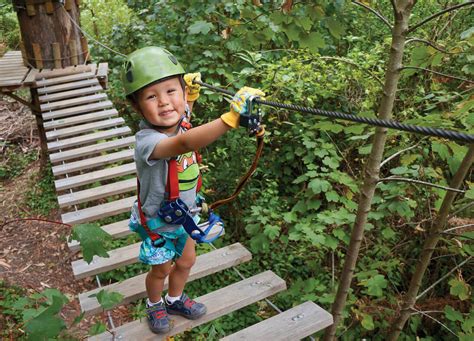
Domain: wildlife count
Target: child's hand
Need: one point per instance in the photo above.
(238, 105)
(193, 88)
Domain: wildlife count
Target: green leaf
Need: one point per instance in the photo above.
(97, 328)
(336, 28)
(313, 41)
(200, 26)
(375, 285)
(459, 288)
(451, 314)
(388, 233)
(46, 325)
(367, 322)
(319, 185)
(469, 194)
(108, 300)
(93, 240)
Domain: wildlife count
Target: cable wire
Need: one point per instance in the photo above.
(448, 134)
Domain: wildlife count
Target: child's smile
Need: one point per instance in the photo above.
(162, 104)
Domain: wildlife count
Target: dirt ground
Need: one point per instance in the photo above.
(34, 254)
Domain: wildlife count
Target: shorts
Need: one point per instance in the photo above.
(173, 248)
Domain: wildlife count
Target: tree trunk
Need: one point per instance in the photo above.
(372, 170)
(50, 39)
(430, 244)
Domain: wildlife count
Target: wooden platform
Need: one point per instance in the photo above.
(12, 71)
(91, 152)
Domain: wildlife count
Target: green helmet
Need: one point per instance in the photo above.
(147, 65)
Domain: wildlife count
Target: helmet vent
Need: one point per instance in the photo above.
(173, 59)
(129, 73)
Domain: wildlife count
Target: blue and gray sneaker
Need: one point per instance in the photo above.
(158, 318)
(186, 307)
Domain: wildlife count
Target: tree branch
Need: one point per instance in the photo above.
(457, 227)
(442, 278)
(431, 17)
(437, 73)
(431, 317)
(421, 183)
(380, 16)
(461, 209)
(427, 42)
(398, 153)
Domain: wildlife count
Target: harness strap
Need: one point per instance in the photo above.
(153, 235)
(172, 185)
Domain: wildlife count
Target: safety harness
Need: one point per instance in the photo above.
(175, 211)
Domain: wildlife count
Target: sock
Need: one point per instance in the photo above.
(151, 304)
(172, 299)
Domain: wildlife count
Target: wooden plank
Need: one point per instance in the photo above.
(218, 303)
(77, 110)
(38, 55)
(67, 86)
(10, 83)
(99, 175)
(294, 324)
(98, 212)
(69, 70)
(123, 155)
(89, 138)
(116, 230)
(70, 94)
(65, 79)
(30, 77)
(94, 116)
(133, 289)
(71, 102)
(91, 149)
(122, 256)
(95, 193)
(84, 128)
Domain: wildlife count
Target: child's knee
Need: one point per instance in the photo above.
(186, 261)
(159, 271)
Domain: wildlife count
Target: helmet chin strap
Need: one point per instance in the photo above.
(178, 124)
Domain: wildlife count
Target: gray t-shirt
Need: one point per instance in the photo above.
(153, 174)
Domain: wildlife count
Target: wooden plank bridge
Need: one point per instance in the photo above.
(91, 152)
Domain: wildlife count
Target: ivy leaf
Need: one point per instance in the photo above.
(375, 285)
(451, 314)
(367, 322)
(313, 41)
(92, 239)
(108, 300)
(336, 28)
(459, 289)
(200, 26)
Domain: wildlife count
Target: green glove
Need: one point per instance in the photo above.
(193, 88)
(238, 106)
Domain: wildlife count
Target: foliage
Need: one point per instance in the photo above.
(15, 161)
(92, 239)
(34, 316)
(41, 196)
(9, 29)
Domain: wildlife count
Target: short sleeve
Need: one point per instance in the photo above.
(146, 141)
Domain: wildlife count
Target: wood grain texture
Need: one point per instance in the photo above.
(218, 303)
(294, 324)
(134, 288)
(84, 128)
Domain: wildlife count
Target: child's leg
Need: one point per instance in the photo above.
(180, 271)
(155, 280)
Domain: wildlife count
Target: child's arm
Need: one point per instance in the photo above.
(205, 134)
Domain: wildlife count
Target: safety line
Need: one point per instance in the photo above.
(448, 134)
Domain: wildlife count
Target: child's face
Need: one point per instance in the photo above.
(163, 104)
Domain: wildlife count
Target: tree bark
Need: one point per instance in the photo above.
(50, 39)
(402, 12)
(41, 130)
(430, 244)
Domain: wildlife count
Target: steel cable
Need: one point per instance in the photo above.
(448, 134)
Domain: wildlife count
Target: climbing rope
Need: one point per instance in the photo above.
(448, 134)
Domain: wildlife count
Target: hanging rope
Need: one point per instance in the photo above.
(448, 134)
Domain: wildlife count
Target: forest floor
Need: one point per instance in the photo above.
(34, 254)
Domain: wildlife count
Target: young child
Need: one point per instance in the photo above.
(154, 82)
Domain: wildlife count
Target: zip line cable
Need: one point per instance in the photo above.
(448, 134)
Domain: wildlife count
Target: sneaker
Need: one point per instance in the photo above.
(186, 307)
(158, 318)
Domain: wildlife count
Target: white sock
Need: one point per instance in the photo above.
(172, 299)
(151, 304)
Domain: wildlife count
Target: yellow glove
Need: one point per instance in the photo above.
(192, 88)
(238, 106)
